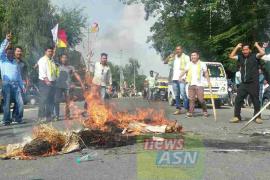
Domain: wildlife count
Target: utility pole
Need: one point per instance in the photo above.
(134, 74)
(90, 47)
(88, 40)
(120, 69)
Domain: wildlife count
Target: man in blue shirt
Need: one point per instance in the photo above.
(11, 81)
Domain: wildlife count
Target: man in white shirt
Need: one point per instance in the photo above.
(102, 76)
(266, 57)
(265, 86)
(179, 85)
(238, 78)
(48, 73)
(196, 73)
(151, 81)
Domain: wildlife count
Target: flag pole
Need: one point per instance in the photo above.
(54, 51)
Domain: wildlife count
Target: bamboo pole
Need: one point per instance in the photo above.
(213, 103)
(254, 117)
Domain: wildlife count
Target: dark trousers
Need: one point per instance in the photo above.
(251, 89)
(62, 95)
(46, 103)
(12, 92)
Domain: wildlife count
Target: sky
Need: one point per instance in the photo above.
(122, 27)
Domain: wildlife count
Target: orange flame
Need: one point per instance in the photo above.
(101, 114)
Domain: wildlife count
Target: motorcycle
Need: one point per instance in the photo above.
(32, 95)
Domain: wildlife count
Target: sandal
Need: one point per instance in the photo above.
(189, 115)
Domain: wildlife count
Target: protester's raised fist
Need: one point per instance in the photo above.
(9, 36)
(239, 45)
(172, 55)
(256, 44)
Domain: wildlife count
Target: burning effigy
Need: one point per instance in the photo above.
(103, 127)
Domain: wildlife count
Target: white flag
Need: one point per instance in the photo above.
(55, 33)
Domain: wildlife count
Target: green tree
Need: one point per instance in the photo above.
(115, 70)
(128, 71)
(212, 26)
(31, 21)
(72, 21)
(131, 69)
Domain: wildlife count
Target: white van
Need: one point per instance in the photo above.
(218, 80)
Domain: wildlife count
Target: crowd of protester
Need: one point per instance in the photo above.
(189, 73)
(55, 82)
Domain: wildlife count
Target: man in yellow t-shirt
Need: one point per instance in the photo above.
(196, 72)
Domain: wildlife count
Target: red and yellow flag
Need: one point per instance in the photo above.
(62, 39)
(94, 28)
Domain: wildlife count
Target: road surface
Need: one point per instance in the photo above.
(225, 153)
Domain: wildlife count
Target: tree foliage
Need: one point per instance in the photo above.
(72, 21)
(213, 27)
(128, 71)
(31, 21)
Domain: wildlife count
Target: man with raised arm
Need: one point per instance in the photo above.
(151, 82)
(249, 63)
(180, 61)
(11, 80)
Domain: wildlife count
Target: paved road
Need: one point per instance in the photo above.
(225, 153)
